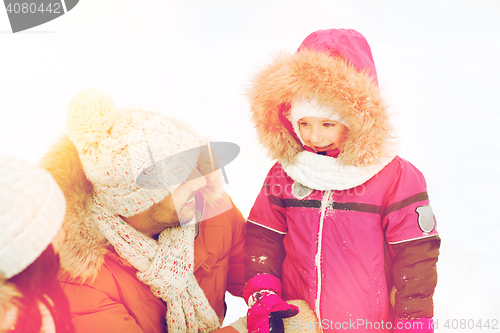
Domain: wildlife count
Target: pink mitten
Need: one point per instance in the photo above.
(266, 308)
(419, 325)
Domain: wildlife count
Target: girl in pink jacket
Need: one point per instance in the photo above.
(341, 221)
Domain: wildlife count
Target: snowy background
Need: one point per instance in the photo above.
(437, 61)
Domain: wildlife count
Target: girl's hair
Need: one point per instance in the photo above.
(38, 283)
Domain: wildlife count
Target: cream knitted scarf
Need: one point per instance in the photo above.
(327, 173)
(166, 266)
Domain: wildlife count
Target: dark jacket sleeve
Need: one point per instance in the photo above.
(265, 251)
(266, 228)
(415, 277)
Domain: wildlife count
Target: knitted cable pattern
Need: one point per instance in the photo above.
(165, 266)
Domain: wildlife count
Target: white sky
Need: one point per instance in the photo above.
(437, 62)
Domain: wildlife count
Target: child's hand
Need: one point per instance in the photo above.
(267, 312)
(266, 306)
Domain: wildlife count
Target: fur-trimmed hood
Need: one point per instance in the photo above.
(334, 67)
(82, 251)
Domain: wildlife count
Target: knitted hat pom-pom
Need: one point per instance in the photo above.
(91, 114)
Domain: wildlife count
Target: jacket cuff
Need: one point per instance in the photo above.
(260, 282)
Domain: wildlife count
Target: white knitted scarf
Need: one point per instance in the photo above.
(166, 266)
(325, 173)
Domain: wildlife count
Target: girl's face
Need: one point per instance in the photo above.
(322, 134)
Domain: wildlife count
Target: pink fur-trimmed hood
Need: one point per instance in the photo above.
(334, 67)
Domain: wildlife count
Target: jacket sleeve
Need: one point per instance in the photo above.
(415, 277)
(266, 228)
(413, 242)
(237, 256)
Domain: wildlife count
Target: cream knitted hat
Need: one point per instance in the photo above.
(118, 150)
(117, 146)
(32, 208)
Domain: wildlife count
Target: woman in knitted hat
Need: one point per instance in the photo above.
(341, 219)
(134, 258)
(32, 209)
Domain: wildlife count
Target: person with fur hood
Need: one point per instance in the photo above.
(139, 256)
(341, 220)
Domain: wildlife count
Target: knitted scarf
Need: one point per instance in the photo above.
(166, 266)
(327, 173)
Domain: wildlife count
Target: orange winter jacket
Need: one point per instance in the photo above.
(103, 291)
(118, 302)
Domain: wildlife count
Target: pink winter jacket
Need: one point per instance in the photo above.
(341, 249)
(341, 242)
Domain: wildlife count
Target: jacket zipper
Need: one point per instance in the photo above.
(317, 259)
